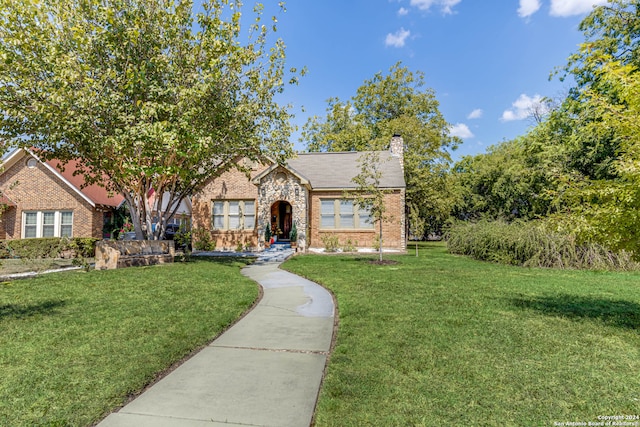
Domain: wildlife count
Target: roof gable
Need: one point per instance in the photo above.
(93, 194)
(96, 193)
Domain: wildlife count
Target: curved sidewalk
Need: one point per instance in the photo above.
(266, 370)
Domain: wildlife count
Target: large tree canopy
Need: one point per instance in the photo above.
(144, 92)
(580, 166)
(385, 105)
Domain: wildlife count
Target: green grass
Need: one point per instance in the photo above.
(75, 345)
(445, 340)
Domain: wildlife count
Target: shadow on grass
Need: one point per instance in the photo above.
(16, 311)
(622, 314)
(221, 260)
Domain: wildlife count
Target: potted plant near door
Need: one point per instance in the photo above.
(267, 236)
(293, 235)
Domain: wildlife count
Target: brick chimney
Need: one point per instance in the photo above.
(397, 148)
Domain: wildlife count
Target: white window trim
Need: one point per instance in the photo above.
(336, 216)
(57, 231)
(241, 214)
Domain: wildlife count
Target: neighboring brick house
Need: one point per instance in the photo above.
(43, 200)
(308, 190)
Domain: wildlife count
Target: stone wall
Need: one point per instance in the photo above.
(281, 185)
(111, 254)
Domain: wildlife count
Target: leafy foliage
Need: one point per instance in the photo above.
(143, 93)
(331, 242)
(396, 103)
(202, 240)
(48, 247)
(531, 244)
(368, 194)
(580, 166)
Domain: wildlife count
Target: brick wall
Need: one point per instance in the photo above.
(392, 229)
(39, 189)
(231, 185)
(234, 185)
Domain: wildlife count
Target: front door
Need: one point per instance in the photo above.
(281, 219)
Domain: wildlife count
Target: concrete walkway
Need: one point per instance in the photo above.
(264, 371)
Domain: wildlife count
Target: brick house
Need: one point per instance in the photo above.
(308, 190)
(41, 199)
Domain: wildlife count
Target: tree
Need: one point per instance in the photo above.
(416, 226)
(383, 106)
(510, 181)
(612, 32)
(368, 194)
(143, 92)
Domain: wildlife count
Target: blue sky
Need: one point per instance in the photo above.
(486, 60)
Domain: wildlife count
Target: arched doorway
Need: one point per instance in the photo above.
(281, 219)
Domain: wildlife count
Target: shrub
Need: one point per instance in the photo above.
(349, 246)
(203, 240)
(532, 244)
(377, 242)
(293, 234)
(48, 247)
(331, 242)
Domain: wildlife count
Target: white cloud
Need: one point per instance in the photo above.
(397, 39)
(528, 7)
(564, 8)
(461, 131)
(475, 114)
(402, 11)
(445, 5)
(524, 107)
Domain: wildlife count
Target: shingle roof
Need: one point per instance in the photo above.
(94, 194)
(335, 170)
(97, 194)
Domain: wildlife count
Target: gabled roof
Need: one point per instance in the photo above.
(94, 194)
(335, 170)
(97, 194)
(267, 171)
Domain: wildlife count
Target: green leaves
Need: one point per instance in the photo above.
(383, 106)
(142, 91)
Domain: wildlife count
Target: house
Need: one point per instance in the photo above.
(309, 190)
(43, 199)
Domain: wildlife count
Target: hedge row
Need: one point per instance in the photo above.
(530, 244)
(48, 247)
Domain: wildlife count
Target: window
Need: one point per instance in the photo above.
(30, 225)
(234, 214)
(327, 214)
(343, 214)
(66, 224)
(47, 224)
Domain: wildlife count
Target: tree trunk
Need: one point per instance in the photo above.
(380, 241)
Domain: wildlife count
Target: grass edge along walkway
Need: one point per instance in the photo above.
(446, 340)
(75, 345)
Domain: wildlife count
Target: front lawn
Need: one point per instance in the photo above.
(443, 340)
(74, 345)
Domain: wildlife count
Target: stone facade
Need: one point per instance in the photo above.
(280, 185)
